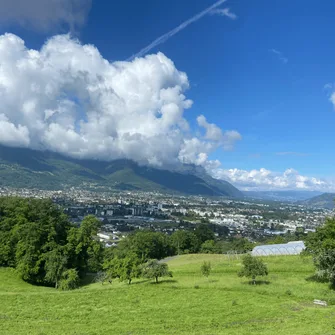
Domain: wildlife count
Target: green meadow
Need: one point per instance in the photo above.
(185, 304)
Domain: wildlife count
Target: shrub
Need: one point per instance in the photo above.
(69, 280)
(206, 268)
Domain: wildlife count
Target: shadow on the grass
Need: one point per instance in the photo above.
(139, 282)
(212, 280)
(88, 279)
(257, 282)
(315, 278)
(164, 281)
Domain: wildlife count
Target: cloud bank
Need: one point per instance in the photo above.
(45, 15)
(67, 98)
(264, 179)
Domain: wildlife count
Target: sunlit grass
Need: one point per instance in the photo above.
(185, 304)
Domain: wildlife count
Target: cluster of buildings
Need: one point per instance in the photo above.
(122, 212)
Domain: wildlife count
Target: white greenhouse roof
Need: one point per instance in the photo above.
(291, 248)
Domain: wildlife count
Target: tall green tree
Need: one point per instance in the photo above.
(55, 265)
(204, 233)
(129, 268)
(84, 249)
(321, 245)
(184, 242)
(147, 245)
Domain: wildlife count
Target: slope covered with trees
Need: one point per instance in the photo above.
(25, 168)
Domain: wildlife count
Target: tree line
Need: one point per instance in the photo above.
(39, 241)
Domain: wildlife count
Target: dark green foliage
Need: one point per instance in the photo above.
(185, 242)
(55, 264)
(204, 233)
(252, 268)
(38, 240)
(154, 270)
(146, 245)
(321, 245)
(209, 247)
(69, 280)
(206, 268)
(85, 251)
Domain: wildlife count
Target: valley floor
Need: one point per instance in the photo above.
(185, 304)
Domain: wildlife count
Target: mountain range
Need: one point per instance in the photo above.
(290, 196)
(26, 168)
(325, 200)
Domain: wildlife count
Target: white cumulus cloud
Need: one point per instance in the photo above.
(264, 179)
(225, 139)
(67, 98)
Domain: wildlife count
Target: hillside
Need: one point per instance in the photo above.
(186, 304)
(25, 168)
(325, 200)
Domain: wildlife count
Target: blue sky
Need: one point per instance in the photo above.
(268, 73)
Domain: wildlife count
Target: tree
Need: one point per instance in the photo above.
(153, 270)
(321, 245)
(37, 239)
(204, 233)
(129, 268)
(209, 247)
(242, 245)
(112, 268)
(184, 242)
(55, 265)
(252, 267)
(147, 245)
(84, 249)
(206, 269)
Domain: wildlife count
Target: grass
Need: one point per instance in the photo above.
(185, 304)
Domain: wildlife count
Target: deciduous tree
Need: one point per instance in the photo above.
(153, 269)
(252, 268)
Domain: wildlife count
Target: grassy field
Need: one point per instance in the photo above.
(185, 304)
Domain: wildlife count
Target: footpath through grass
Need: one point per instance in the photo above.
(185, 304)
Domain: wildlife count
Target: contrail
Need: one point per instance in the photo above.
(176, 30)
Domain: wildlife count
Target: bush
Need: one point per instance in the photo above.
(206, 268)
(69, 280)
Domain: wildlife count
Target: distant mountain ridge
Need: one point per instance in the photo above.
(290, 196)
(26, 168)
(325, 200)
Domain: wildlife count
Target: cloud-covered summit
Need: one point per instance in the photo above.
(67, 98)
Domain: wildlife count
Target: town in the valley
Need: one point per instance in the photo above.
(125, 212)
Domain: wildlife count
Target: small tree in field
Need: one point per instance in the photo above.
(154, 269)
(206, 269)
(252, 268)
(129, 268)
